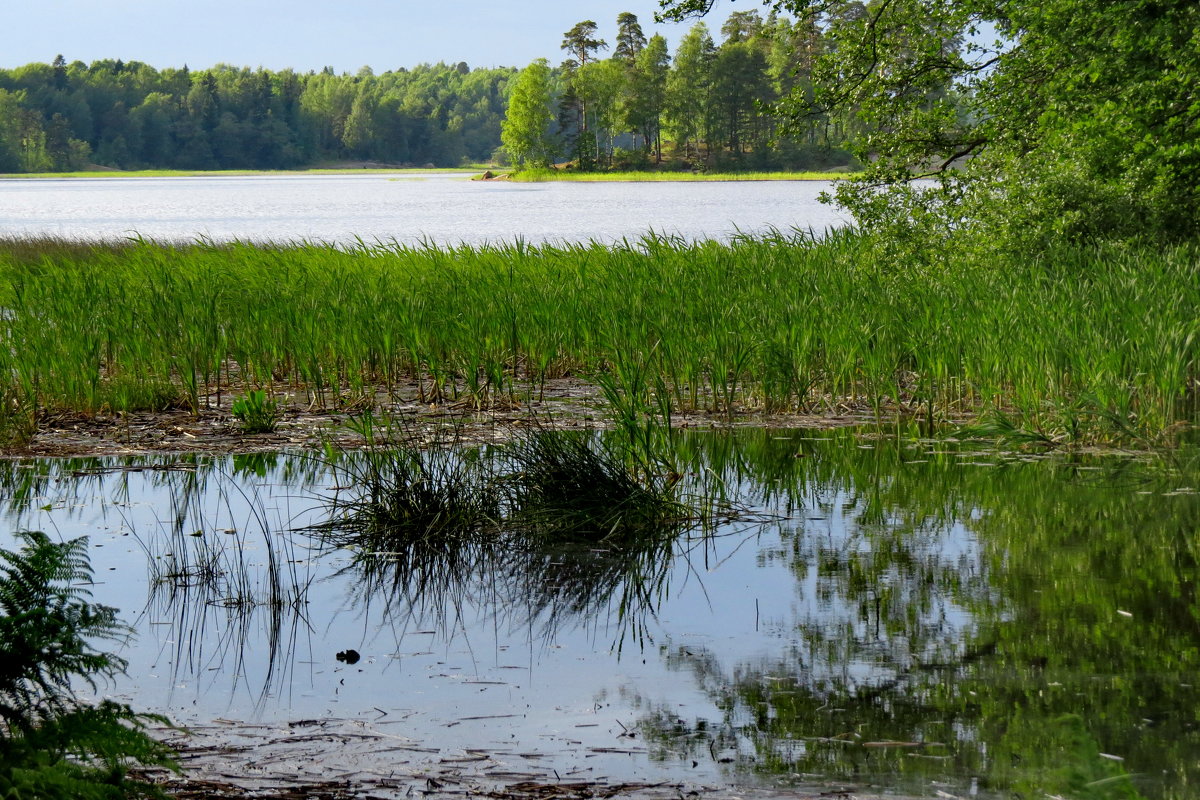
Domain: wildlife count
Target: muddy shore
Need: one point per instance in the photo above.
(333, 759)
(566, 403)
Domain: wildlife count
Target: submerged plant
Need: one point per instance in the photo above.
(52, 745)
(257, 412)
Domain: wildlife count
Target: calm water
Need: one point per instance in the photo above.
(904, 615)
(446, 209)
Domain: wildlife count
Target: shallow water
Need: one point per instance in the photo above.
(442, 208)
(904, 615)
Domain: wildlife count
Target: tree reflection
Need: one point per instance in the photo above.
(979, 622)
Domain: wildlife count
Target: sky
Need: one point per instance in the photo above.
(311, 34)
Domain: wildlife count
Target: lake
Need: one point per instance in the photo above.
(877, 615)
(444, 208)
(867, 613)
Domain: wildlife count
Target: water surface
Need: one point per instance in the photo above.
(442, 208)
(904, 616)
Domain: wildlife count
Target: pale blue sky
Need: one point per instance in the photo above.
(310, 34)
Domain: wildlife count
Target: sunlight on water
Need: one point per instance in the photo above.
(447, 209)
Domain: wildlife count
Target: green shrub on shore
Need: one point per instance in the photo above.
(1077, 343)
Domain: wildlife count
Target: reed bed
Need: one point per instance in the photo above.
(1082, 343)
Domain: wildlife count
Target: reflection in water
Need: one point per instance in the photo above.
(221, 571)
(1056, 659)
(548, 532)
(925, 616)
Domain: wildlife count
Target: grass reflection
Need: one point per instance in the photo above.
(554, 529)
(960, 619)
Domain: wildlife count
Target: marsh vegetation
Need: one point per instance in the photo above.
(1082, 343)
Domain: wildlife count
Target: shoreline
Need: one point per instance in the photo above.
(650, 176)
(348, 169)
(567, 404)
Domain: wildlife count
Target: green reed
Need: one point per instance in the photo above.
(1082, 343)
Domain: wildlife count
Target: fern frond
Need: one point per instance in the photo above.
(50, 746)
(46, 628)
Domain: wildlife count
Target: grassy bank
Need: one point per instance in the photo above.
(543, 175)
(1081, 344)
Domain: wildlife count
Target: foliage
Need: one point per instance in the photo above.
(256, 412)
(1038, 120)
(50, 745)
(525, 131)
(130, 115)
(1084, 343)
(712, 100)
(44, 631)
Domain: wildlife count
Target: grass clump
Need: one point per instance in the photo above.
(257, 412)
(51, 745)
(568, 522)
(556, 484)
(576, 486)
(395, 493)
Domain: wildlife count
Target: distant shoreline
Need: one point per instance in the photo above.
(347, 169)
(487, 174)
(541, 176)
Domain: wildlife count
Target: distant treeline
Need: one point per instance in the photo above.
(705, 104)
(62, 116)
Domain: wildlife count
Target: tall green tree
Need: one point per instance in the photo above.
(526, 128)
(630, 38)
(1040, 119)
(740, 84)
(648, 94)
(10, 132)
(581, 42)
(602, 89)
(687, 90)
(582, 46)
(358, 134)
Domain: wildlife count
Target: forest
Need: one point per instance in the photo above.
(706, 104)
(129, 115)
